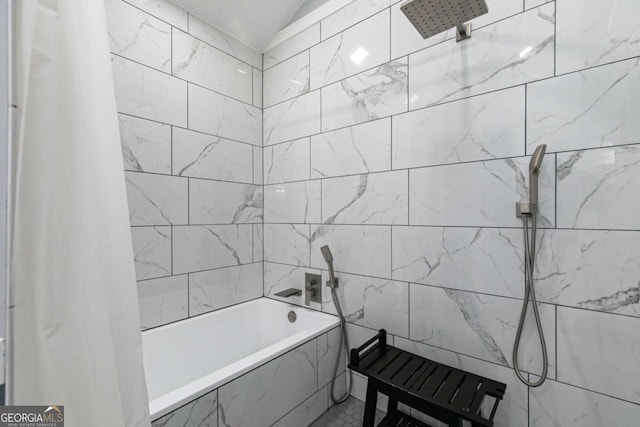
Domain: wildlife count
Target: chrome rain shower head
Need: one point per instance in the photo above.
(431, 17)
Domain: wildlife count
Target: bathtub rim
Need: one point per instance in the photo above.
(182, 396)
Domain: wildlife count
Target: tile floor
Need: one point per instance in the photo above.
(347, 414)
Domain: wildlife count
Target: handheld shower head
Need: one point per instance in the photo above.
(536, 160)
(326, 254)
(534, 171)
(328, 258)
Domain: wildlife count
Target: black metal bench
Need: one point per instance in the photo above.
(447, 394)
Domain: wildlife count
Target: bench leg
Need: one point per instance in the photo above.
(454, 421)
(369, 418)
(392, 406)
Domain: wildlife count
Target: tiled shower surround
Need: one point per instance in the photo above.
(190, 109)
(407, 157)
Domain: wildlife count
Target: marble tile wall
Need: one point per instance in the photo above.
(291, 390)
(189, 99)
(407, 156)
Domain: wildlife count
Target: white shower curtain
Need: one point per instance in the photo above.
(74, 325)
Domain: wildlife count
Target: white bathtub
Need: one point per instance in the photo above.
(185, 360)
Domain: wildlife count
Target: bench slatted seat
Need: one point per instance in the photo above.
(445, 393)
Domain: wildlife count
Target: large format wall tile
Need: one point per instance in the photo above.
(162, 301)
(373, 94)
(514, 51)
(258, 165)
(198, 248)
(216, 289)
(328, 344)
(351, 14)
(201, 412)
(146, 145)
(528, 4)
(594, 270)
(151, 251)
(370, 302)
(481, 194)
(156, 199)
(589, 109)
(561, 405)
(278, 277)
(286, 243)
(479, 128)
(358, 249)
(487, 260)
(148, 93)
(292, 119)
(599, 352)
(512, 411)
(199, 63)
(376, 198)
(599, 188)
(357, 149)
(592, 33)
(405, 38)
(308, 411)
(222, 116)
(296, 203)
(257, 88)
(200, 155)
(287, 80)
(224, 42)
(214, 202)
(138, 36)
(260, 397)
(292, 46)
(258, 242)
(164, 10)
(286, 162)
(359, 48)
(481, 326)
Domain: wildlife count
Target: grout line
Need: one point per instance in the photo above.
(555, 175)
(188, 129)
(555, 38)
(526, 121)
(556, 349)
(471, 227)
(408, 197)
(442, 165)
(188, 32)
(188, 82)
(457, 290)
(178, 177)
(172, 244)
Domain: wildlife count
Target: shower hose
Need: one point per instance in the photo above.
(345, 341)
(529, 293)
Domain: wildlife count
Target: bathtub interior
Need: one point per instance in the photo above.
(187, 359)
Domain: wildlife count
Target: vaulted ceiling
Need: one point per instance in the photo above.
(255, 22)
